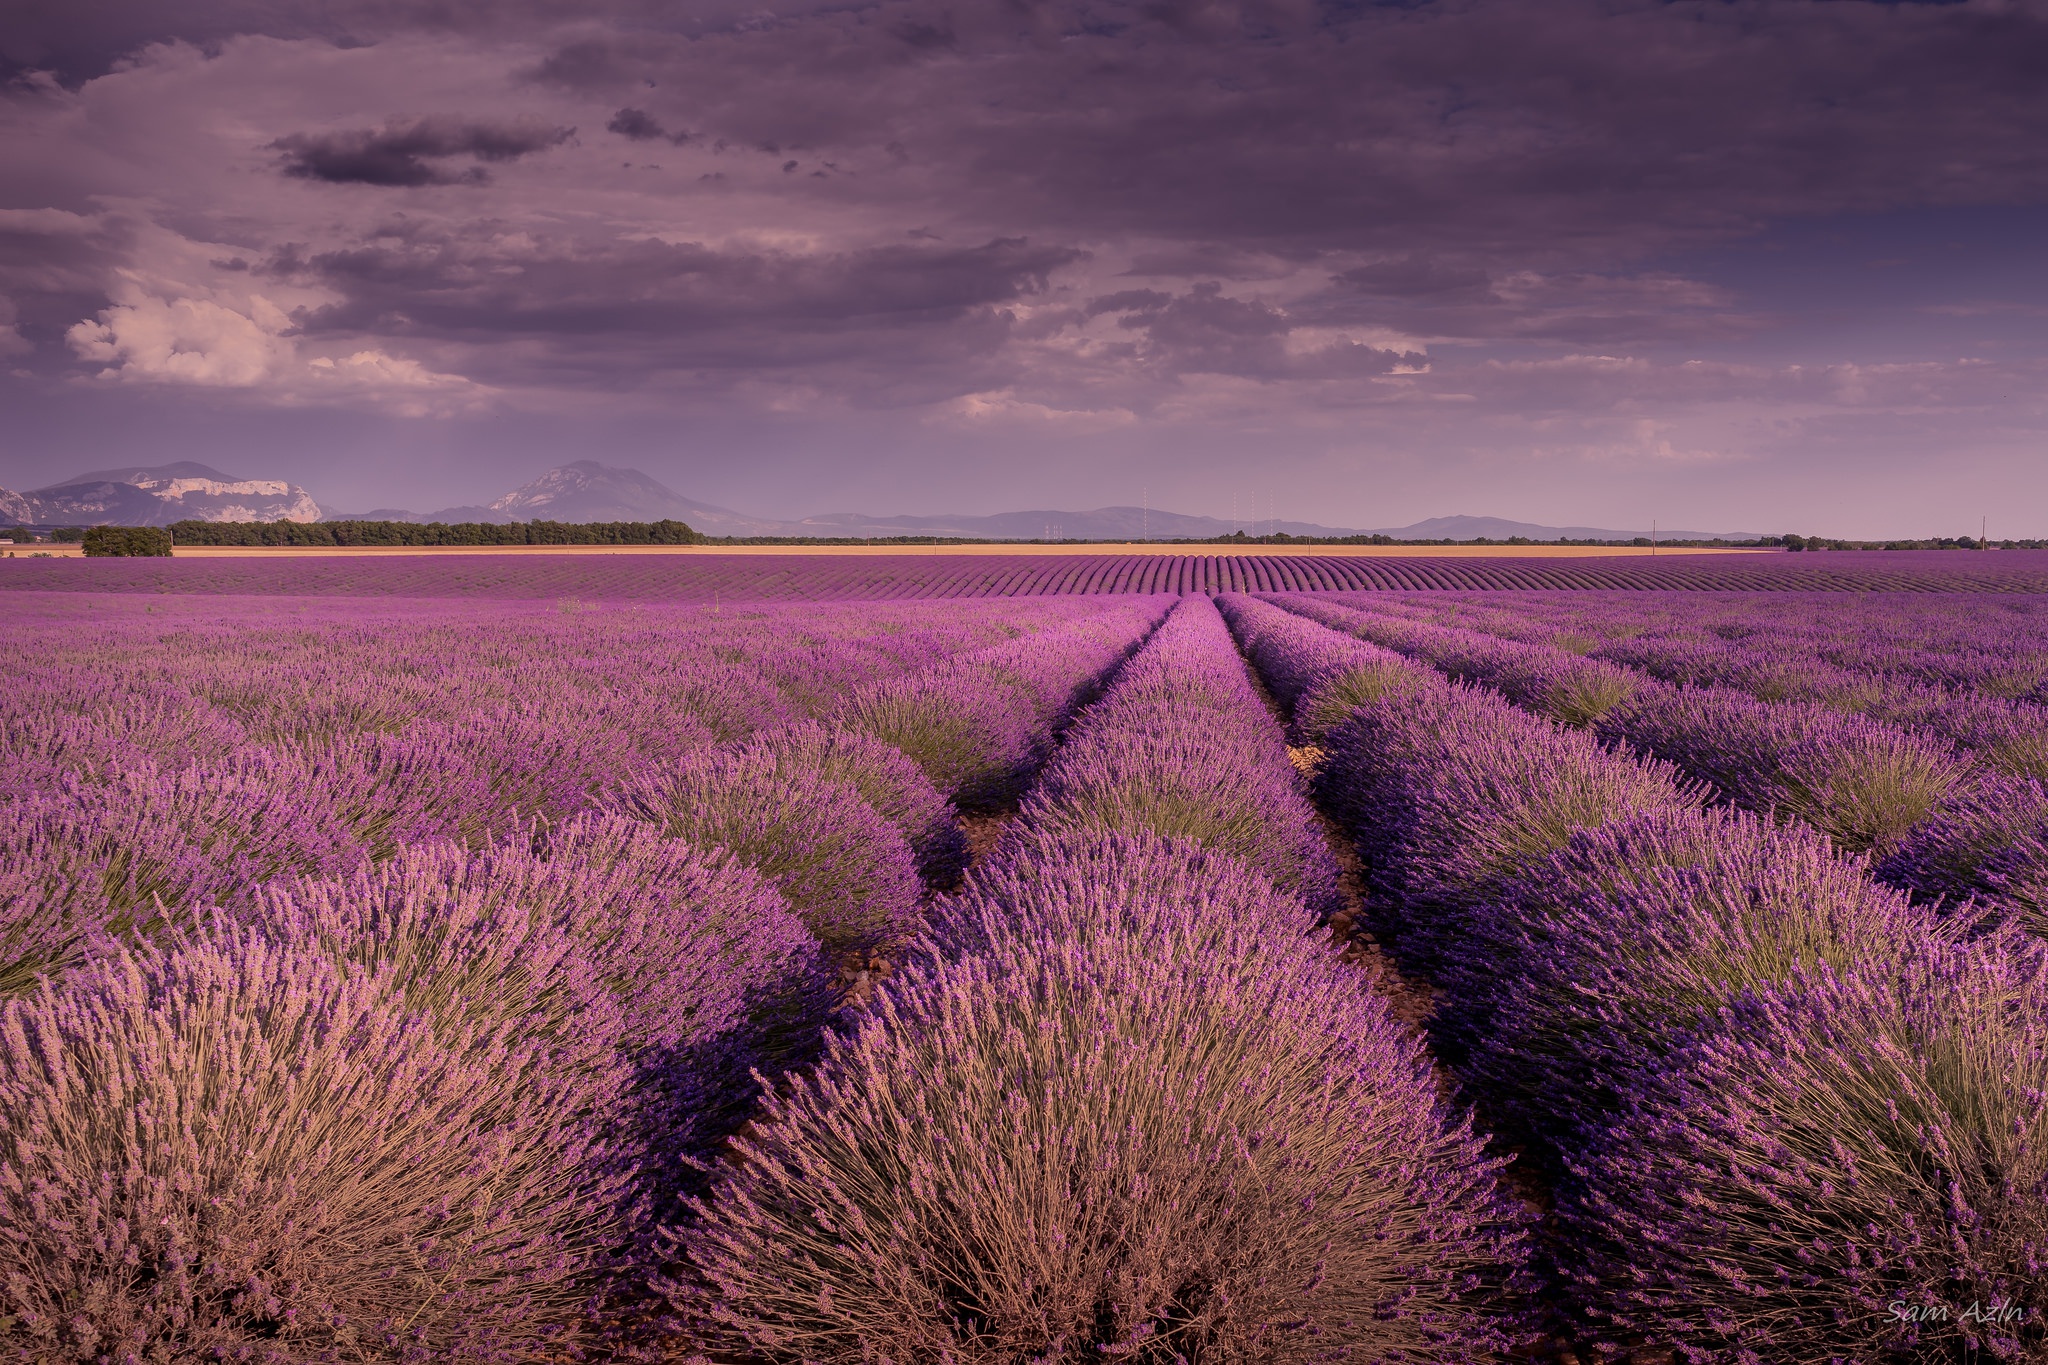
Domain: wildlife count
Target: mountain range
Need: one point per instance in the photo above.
(158, 496)
(585, 490)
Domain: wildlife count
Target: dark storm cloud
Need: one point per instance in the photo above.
(615, 310)
(405, 152)
(1418, 275)
(55, 267)
(640, 126)
(1562, 127)
(1205, 331)
(1424, 295)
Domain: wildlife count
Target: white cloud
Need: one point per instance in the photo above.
(187, 341)
(1003, 407)
(247, 343)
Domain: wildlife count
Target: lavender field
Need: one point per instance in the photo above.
(831, 578)
(1149, 959)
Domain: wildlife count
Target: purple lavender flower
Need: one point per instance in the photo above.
(1849, 1167)
(847, 872)
(890, 782)
(1597, 963)
(227, 1147)
(1177, 1138)
(1983, 853)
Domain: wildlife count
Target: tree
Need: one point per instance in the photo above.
(130, 541)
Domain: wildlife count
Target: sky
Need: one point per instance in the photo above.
(1752, 265)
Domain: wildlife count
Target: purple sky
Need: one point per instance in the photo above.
(1775, 265)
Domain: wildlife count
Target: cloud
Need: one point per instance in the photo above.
(12, 343)
(400, 152)
(641, 126)
(882, 324)
(1002, 407)
(208, 344)
(1206, 331)
(186, 341)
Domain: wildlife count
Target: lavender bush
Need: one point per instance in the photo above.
(1864, 783)
(973, 736)
(717, 982)
(232, 1148)
(1597, 963)
(1074, 886)
(1452, 793)
(1851, 1167)
(692, 942)
(847, 872)
(890, 782)
(1171, 1142)
(604, 942)
(1330, 702)
(90, 859)
(1985, 851)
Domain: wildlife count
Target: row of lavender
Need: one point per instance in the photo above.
(1967, 672)
(1787, 1115)
(828, 576)
(446, 1101)
(1850, 650)
(1962, 825)
(1122, 1102)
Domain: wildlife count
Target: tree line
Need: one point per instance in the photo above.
(408, 533)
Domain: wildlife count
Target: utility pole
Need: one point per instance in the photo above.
(1653, 537)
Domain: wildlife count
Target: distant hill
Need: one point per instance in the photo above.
(589, 491)
(586, 491)
(1494, 528)
(158, 495)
